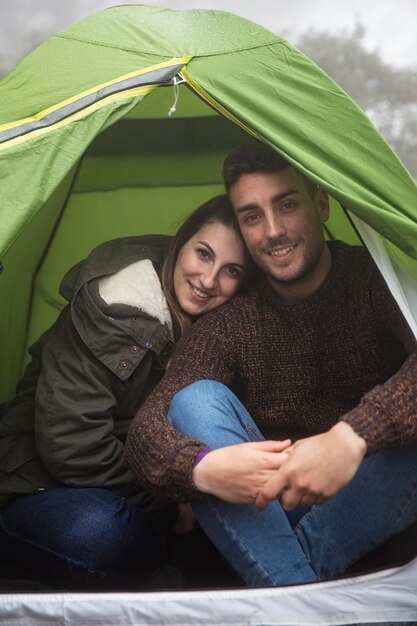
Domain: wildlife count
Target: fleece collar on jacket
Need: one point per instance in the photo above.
(137, 285)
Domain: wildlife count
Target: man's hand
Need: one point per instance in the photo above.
(315, 469)
(238, 473)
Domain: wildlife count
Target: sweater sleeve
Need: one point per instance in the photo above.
(386, 416)
(160, 456)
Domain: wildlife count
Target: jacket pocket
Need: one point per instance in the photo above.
(21, 469)
(15, 451)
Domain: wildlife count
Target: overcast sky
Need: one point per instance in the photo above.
(391, 25)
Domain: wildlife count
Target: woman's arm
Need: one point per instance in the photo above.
(74, 427)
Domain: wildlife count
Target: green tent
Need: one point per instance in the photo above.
(119, 125)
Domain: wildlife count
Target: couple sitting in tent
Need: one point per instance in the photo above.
(280, 416)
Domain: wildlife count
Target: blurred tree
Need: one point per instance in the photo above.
(388, 95)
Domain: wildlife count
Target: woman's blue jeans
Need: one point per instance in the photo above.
(69, 536)
(318, 543)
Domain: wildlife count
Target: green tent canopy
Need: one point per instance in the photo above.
(119, 125)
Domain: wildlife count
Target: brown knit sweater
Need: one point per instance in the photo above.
(298, 368)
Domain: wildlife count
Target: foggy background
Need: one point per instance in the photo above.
(368, 46)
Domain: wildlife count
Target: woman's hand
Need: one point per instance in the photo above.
(238, 473)
(316, 469)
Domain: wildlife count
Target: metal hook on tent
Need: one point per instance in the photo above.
(176, 83)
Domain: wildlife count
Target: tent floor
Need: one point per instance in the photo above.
(196, 564)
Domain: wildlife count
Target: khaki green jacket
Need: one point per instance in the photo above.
(88, 375)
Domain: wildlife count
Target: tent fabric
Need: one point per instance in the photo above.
(260, 79)
(18, 161)
(382, 598)
(55, 115)
(310, 120)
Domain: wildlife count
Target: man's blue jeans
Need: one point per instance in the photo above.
(273, 548)
(69, 536)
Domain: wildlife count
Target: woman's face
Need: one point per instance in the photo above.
(209, 269)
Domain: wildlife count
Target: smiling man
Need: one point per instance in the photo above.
(293, 405)
(280, 215)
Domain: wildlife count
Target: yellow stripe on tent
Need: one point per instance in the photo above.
(205, 96)
(38, 116)
(122, 95)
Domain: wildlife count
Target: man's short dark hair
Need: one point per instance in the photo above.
(252, 156)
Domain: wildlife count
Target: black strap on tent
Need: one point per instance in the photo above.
(154, 77)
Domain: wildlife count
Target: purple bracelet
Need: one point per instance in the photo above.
(201, 455)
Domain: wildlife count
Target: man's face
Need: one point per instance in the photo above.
(280, 216)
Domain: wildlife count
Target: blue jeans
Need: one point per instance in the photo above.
(69, 536)
(318, 543)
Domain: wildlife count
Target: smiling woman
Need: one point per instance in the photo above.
(209, 267)
(74, 501)
(206, 263)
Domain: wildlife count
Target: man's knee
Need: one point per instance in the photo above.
(201, 392)
(210, 412)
